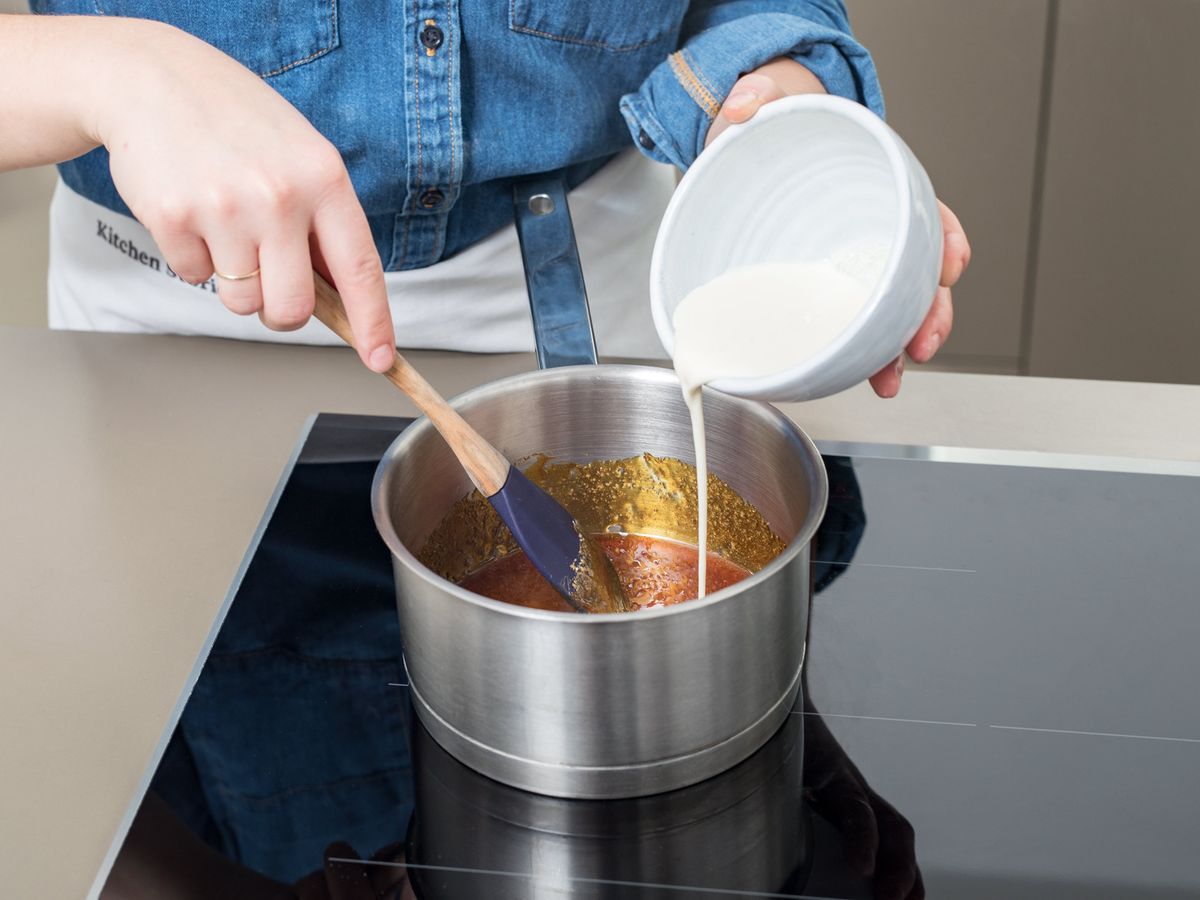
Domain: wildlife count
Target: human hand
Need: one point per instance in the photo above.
(879, 841)
(230, 178)
(775, 79)
(956, 256)
(786, 77)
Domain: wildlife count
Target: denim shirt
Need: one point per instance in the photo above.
(436, 105)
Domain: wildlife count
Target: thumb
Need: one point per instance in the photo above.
(745, 97)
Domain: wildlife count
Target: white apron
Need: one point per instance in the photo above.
(107, 274)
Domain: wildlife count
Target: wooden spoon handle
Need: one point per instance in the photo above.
(485, 464)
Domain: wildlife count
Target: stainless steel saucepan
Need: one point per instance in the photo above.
(600, 706)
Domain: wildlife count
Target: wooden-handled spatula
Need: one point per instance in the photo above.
(566, 557)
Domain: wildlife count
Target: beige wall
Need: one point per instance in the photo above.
(24, 196)
(23, 199)
(1066, 133)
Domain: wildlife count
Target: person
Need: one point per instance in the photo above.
(229, 148)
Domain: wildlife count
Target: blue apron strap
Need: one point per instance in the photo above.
(562, 323)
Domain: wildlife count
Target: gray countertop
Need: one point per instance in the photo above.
(136, 470)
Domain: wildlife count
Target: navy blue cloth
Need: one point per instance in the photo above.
(293, 737)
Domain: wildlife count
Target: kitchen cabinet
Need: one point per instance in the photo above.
(1116, 293)
(1065, 133)
(963, 84)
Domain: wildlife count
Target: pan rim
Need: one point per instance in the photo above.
(414, 432)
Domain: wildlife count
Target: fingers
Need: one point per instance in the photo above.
(886, 381)
(287, 283)
(745, 98)
(282, 290)
(780, 77)
(280, 265)
(186, 254)
(236, 256)
(935, 329)
(348, 250)
(956, 249)
(748, 94)
(925, 344)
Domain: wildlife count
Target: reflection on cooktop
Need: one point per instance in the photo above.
(1001, 658)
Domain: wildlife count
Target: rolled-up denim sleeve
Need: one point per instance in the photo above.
(721, 41)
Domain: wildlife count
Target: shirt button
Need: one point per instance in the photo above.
(432, 198)
(645, 140)
(432, 37)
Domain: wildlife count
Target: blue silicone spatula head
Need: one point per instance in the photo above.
(568, 558)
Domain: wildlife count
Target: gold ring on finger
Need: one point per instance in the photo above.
(245, 277)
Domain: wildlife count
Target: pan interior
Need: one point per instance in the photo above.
(629, 414)
(644, 494)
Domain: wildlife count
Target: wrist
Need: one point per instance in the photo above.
(119, 60)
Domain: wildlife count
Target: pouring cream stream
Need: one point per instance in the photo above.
(752, 321)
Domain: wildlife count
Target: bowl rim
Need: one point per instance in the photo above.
(887, 140)
(421, 426)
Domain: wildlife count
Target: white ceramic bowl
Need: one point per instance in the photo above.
(808, 178)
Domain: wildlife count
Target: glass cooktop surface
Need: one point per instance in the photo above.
(1001, 701)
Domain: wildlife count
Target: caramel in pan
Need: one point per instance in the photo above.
(622, 501)
(652, 571)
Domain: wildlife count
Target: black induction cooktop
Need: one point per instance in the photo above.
(1002, 700)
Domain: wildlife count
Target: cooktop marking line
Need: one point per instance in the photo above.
(729, 892)
(396, 684)
(1028, 459)
(836, 562)
(1138, 737)
(884, 719)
